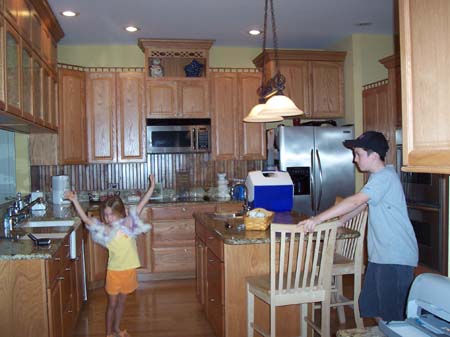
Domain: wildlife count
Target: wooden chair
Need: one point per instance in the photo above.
(348, 259)
(300, 273)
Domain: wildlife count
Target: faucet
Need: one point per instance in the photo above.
(21, 210)
(245, 207)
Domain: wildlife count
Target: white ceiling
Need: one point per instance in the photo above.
(308, 24)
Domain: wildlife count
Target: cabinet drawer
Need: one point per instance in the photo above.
(214, 244)
(230, 206)
(56, 264)
(179, 212)
(169, 233)
(173, 259)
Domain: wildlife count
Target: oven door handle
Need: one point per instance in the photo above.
(193, 139)
(424, 208)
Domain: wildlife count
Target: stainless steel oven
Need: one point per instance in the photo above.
(175, 135)
(427, 200)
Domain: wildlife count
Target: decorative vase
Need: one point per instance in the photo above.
(193, 69)
(156, 69)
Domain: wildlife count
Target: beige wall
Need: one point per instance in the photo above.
(23, 178)
(362, 67)
(132, 56)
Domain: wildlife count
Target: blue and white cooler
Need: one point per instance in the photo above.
(271, 190)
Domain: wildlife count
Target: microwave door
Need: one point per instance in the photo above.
(170, 141)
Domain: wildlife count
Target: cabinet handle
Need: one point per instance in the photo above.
(61, 278)
(57, 259)
(68, 269)
(211, 238)
(212, 261)
(67, 245)
(183, 209)
(212, 300)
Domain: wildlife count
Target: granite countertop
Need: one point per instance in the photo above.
(232, 236)
(16, 245)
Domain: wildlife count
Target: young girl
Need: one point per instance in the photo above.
(117, 232)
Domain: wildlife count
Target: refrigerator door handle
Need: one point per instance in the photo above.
(320, 179)
(311, 182)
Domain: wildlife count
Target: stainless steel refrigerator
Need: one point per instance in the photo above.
(320, 167)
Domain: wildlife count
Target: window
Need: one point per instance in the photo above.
(7, 166)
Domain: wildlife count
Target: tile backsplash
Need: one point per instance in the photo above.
(130, 176)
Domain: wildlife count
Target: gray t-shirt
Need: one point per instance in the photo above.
(390, 235)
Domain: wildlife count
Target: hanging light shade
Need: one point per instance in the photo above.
(280, 105)
(255, 116)
(277, 104)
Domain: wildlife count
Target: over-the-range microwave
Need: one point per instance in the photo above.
(178, 135)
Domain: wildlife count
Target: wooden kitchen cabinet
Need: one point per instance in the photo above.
(233, 95)
(96, 259)
(27, 82)
(2, 65)
(38, 296)
(425, 85)
(173, 98)
(12, 63)
(72, 117)
(173, 239)
(314, 80)
(115, 117)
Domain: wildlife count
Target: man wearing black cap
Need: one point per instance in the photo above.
(391, 242)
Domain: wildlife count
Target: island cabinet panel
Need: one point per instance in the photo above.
(425, 74)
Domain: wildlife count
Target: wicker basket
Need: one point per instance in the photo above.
(258, 224)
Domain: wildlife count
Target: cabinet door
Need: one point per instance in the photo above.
(327, 99)
(55, 310)
(12, 62)
(97, 259)
(200, 270)
(297, 83)
(130, 117)
(101, 117)
(161, 96)
(193, 97)
(72, 117)
(45, 98)
(215, 300)
(27, 83)
(2, 65)
(224, 114)
(37, 91)
(425, 85)
(252, 143)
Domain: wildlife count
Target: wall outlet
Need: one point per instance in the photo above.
(113, 186)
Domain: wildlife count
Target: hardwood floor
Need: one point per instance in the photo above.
(163, 309)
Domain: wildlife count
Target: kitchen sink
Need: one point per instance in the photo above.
(48, 223)
(55, 223)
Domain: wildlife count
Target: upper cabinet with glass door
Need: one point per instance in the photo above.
(12, 63)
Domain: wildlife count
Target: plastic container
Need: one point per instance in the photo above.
(271, 190)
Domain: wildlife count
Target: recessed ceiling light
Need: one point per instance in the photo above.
(69, 13)
(131, 29)
(254, 32)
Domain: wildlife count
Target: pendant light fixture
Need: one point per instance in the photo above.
(276, 104)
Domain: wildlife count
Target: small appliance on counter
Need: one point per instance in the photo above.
(60, 184)
(428, 309)
(271, 190)
(38, 206)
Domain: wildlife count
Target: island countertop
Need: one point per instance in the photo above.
(233, 236)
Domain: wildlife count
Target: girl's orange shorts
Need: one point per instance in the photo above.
(121, 281)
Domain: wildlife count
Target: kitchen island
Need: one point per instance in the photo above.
(225, 257)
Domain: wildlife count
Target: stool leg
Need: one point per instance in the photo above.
(250, 312)
(339, 294)
(303, 315)
(356, 292)
(273, 328)
(325, 324)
